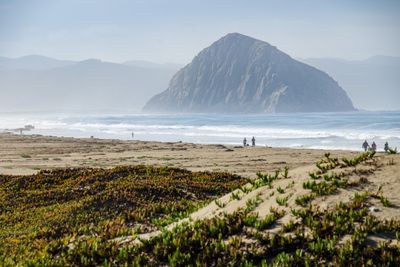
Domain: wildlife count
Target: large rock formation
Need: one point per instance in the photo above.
(238, 73)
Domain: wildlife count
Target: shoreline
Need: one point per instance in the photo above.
(27, 154)
(229, 144)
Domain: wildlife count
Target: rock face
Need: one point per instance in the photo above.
(239, 74)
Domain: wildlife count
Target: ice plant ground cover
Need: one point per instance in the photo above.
(38, 211)
(76, 217)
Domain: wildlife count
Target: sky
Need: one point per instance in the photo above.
(176, 30)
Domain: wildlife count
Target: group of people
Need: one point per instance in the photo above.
(373, 146)
(253, 142)
(365, 145)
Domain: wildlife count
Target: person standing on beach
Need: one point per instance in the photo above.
(133, 135)
(386, 147)
(253, 141)
(373, 146)
(244, 141)
(365, 145)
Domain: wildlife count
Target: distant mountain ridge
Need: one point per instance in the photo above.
(372, 84)
(38, 62)
(238, 73)
(32, 62)
(41, 83)
(147, 64)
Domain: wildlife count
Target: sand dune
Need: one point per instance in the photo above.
(382, 174)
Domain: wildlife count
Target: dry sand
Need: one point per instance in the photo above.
(27, 154)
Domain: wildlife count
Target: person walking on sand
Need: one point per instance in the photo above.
(253, 141)
(365, 145)
(386, 147)
(373, 146)
(244, 142)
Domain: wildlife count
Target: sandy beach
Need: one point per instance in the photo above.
(26, 154)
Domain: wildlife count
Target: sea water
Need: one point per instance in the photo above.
(306, 130)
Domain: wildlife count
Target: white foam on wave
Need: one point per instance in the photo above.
(276, 133)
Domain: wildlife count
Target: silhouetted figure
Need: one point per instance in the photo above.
(365, 145)
(244, 142)
(133, 135)
(373, 146)
(386, 147)
(253, 141)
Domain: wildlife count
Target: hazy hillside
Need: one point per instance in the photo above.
(372, 84)
(38, 83)
(32, 62)
(241, 74)
(152, 65)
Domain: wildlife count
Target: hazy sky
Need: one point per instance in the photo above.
(176, 30)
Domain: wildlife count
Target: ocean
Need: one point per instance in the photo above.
(306, 130)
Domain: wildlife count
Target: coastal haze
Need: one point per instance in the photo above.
(118, 56)
(372, 83)
(37, 83)
(243, 79)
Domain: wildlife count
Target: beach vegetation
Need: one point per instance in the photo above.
(236, 195)
(83, 208)
(253, 203)
(305, 199)
(326, 164)
(268, 220)
(76, 217)
(220, 203)
(289, 226)
(280, 190)
(282, 201)
(358, 159)
(385, 201)
(285, 173)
